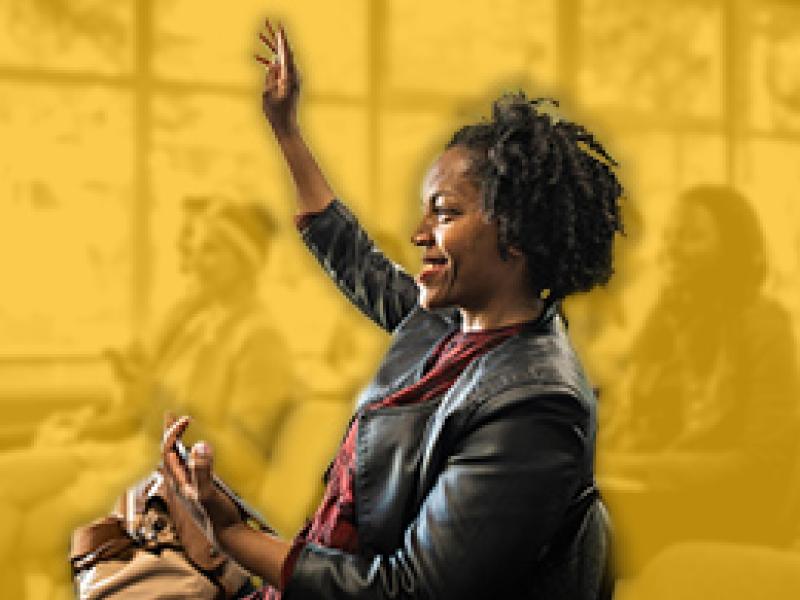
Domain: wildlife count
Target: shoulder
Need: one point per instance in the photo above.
(766, 317)
(532, 377)
(412, 340)
(536, 362)
(253, 332)
(765, 345)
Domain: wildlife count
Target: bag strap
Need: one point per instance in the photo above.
(197, 539)
(100, 540)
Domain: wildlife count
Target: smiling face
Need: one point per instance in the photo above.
(694, 244)
(218, 267)
(461, 263)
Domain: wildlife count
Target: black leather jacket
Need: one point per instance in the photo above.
(486, 492)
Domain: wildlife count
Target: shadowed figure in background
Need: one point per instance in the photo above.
(73, 443)
(219, 357)
(700, 442)
(215, 355)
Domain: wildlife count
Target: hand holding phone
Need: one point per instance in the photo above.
(192, 472)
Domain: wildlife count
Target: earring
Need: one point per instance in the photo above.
(544, 294)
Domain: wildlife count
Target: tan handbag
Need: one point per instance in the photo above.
(157, 544)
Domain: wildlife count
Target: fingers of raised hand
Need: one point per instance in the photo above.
(282, 51)
(267, 62)
(269, 27)
(278, 44)
(285, 52)
(270, 41)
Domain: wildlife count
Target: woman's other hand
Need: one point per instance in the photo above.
(282, 83)
(195, 480)
(172, 462)
(220, 509)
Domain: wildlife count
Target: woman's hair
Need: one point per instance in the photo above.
(552, 190)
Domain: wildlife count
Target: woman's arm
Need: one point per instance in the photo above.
(381, 289)
(378, 287)
(279, 102)
(260, 553)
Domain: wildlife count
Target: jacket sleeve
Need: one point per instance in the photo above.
(498, 502)
(381, 289)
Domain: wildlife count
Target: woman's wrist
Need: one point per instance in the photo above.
(259, 552)
(221, 511)
(285, 129)
(313, 192)
(230, 536)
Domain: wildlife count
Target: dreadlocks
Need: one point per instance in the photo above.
(551, 188)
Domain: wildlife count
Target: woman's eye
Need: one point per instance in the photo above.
(444, 215)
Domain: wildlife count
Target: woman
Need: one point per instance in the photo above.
(703, 426)
(467, 469)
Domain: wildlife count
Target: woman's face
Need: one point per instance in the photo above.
(461, 263)
(218, 266)
(693, 244)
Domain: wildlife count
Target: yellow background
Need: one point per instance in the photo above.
(112, 111)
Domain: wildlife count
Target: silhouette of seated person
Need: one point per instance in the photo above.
(216, 357)
(700, 442)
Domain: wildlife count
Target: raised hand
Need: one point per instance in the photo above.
(279, 102)
(282, 82)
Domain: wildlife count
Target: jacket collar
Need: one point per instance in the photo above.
(540, 324)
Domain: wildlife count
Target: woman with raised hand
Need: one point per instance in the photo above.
(467, 469)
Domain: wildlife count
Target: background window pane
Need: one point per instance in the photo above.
(771, 180)
(64, 238)
(775, 67)
(468, 47)
(74, 35)
(652, 57)
(207, 43)
(701, 159)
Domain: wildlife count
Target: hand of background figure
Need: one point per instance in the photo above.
(282, 83)
(63, 428)
(129, 364)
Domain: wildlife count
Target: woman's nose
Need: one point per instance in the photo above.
(423, 235)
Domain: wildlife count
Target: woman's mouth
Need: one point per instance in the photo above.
(432, 267)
